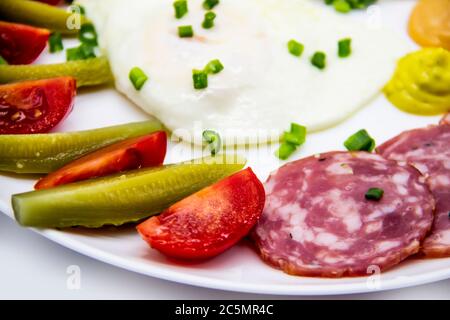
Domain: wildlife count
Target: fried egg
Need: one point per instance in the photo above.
(263, 88)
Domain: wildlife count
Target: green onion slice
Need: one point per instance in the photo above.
(319, 60)
(208, 22)
(138, 78)
(181, 8)
(81, 52)
(185, 31)
(344, 47)
(200, 79)
(291, 140)
(285, 151)
(213, 140)
(55, 42)
(360, 141)
(295, 48)
(342, 6)
(88, 35)
(210, 4)
(374, 194)
(214, 66)
(297, 135)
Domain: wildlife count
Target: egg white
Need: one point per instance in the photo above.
(263, 88)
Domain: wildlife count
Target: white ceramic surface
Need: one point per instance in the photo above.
(239, 269)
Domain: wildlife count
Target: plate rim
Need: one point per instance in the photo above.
(66, 241)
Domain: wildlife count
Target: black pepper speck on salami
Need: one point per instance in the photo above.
(317, 221)
(428, 149)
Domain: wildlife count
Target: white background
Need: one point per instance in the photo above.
(32, 267)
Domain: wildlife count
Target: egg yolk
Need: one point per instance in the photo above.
(421, 82)
(429, 24)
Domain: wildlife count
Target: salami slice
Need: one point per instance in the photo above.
(318, 222)
(428, 149)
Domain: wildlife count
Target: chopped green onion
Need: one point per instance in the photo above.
(200, 79)
(81, 52)
(209, 4)
(185, 32)
(360, 141)
(212, 138)
(319, 60)
(347, 5)
(297, 135)
(344, 47)
(214, 67)
(88, 35)
(285, 151)
(55, 42)
(295, 48)
(181, 8)
(3, 61)
(208, 23)
(342, 6)
(374, 194)
(291, 141)
(138, 78)
(298, 129)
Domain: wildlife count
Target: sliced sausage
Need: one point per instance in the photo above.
(428, 149)
(318, 222)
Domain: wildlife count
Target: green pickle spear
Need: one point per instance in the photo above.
(44, 153)
(40, 15)
(121, 198)
(88, 72)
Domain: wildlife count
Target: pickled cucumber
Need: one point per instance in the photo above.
(44, 153)
(122, 198)
(38, 14)
(88, 72)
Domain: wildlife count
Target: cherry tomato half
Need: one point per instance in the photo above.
(21, 44)
(429, 24)
(141, 152)
(35, 106)
(208, 222)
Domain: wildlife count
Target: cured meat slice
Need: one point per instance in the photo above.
(428, 149)
(317, 221)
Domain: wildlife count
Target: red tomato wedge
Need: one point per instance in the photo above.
(208, 222)
(21, 44)
(35, 106)
(50, 2)
(135, 153)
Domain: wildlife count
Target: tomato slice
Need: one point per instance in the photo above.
(35, 106)
(141, 152)
(21, 44)
(50, 2)
(208, 222)
(429, 24)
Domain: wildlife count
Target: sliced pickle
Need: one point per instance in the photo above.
(121, 198)
(44, 153)
(90, 72)
(38, 14)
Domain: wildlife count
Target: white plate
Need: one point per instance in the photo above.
(239, 269)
